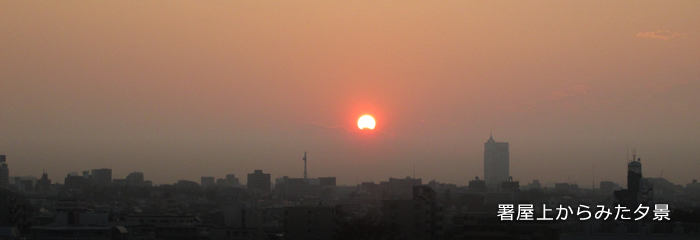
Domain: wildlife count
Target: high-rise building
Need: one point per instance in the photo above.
(135, 179)
(102, 176)
(496, 162)
(4, 173)
(232, 180)
(77, 182)
(208, 182)
(259, 180)
(639, 190)
(43, 184)
(221, 183)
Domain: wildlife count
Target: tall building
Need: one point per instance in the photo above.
(232, 180)
(208, 182)
(222, 183)
(4, 173)
(259, 180)
(134, 179)
(639, 190)
(77, 182)
(496, 163)
(102, 176)
(43, 184)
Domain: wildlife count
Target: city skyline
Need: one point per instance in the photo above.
(181, 90)
(594, 184)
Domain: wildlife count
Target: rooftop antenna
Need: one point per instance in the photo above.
(593, 182)
(414, 171)
(662, 173)
(305, 174)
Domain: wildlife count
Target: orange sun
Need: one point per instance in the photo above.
(366, 121)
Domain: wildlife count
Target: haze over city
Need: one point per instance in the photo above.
(184, 89)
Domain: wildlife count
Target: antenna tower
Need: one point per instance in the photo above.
(593, 181)
(414, 171)
(305, 174)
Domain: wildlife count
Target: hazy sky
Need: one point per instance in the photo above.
(185, 89)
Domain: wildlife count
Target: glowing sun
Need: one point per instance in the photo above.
(366, 121)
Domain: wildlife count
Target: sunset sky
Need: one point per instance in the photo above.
(185, 89)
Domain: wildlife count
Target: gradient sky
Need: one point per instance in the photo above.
(185, 89)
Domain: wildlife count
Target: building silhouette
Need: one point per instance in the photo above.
(43, 184)
(208, 182)
(259, 180)
(416, 218)
(397, 188)
(77, 182)
(496, 163)
(102, 176)
(327, 181)
(510, 185)
(4, 173)
(639, 190)
(232, 180)
(300, 187)
(477, 185)
(135, 179)
(534, 185)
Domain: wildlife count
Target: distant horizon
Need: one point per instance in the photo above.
(180, 90)
(243, 178)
